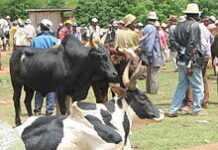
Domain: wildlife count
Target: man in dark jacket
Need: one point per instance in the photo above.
(190, 60)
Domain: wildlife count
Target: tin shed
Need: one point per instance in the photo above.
(55, 15)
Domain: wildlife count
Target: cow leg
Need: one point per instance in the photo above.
(28, 100)
(16, 99)
(61, 102)
(214, 63)
(100, 90)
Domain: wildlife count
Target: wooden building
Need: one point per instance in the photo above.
(55, 15)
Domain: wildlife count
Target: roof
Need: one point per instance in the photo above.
(49, 10)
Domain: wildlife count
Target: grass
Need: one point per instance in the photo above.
(170, 134)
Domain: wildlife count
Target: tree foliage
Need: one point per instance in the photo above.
(106, 10)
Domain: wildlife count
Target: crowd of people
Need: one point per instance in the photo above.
(186, 40)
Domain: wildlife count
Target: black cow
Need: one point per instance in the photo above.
(68, 70)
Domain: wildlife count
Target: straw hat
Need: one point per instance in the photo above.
(129, 19)
(172, 18)
(192, 8)
(152, 15)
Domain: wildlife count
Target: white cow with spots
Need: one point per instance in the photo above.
(91, 126)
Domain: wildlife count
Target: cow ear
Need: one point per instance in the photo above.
(119, 90)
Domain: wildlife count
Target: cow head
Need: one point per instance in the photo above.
(142, 106)
(104, 69)
(137, 100)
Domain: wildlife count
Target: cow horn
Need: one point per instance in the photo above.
(131, 83)
(137, 71)
(133, 78)
(125, 76)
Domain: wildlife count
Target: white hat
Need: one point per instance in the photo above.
(46, 23)
(152, 15)
(20, 22)
(212, 18)
(94, 20)
(28, 21)
(140, 24)
(182, 18)
(192, 8)
(163, 25)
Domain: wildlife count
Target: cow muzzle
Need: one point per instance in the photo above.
(161, 116)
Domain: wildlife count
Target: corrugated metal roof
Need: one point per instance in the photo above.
(49, 10)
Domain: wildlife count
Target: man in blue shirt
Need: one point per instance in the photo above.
(45, 40)
(151, 54)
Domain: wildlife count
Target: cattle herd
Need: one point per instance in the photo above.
(70, 70)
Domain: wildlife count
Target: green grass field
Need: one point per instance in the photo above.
(170, 134)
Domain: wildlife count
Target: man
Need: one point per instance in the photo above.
(76, 31)
(206, 41)
(94, 29)
(172, 21)
(21, 36)
(31, 32)
(127, 39)
(66, 30)
(11, 35)
(45, 40)
(190, 61)
(151, 53)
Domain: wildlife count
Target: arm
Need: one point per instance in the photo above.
(173, 44)
(194, 43)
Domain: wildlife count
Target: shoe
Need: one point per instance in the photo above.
(200, 113)
(49, 113)
(37, 113)
(171, 115)
(186, 110)
(205, 105)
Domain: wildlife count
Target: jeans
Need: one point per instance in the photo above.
(50, 102)
(196, 83)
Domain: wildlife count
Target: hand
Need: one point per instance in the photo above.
(189, 71)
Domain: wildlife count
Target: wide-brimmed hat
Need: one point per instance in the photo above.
(152, 15)
(192, 8)
(28, 21)
(129, 19)
(172, 18)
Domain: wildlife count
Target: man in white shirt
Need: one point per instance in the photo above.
(31, 32)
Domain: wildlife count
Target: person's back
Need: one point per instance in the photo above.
(185, 31)
(44, 40)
